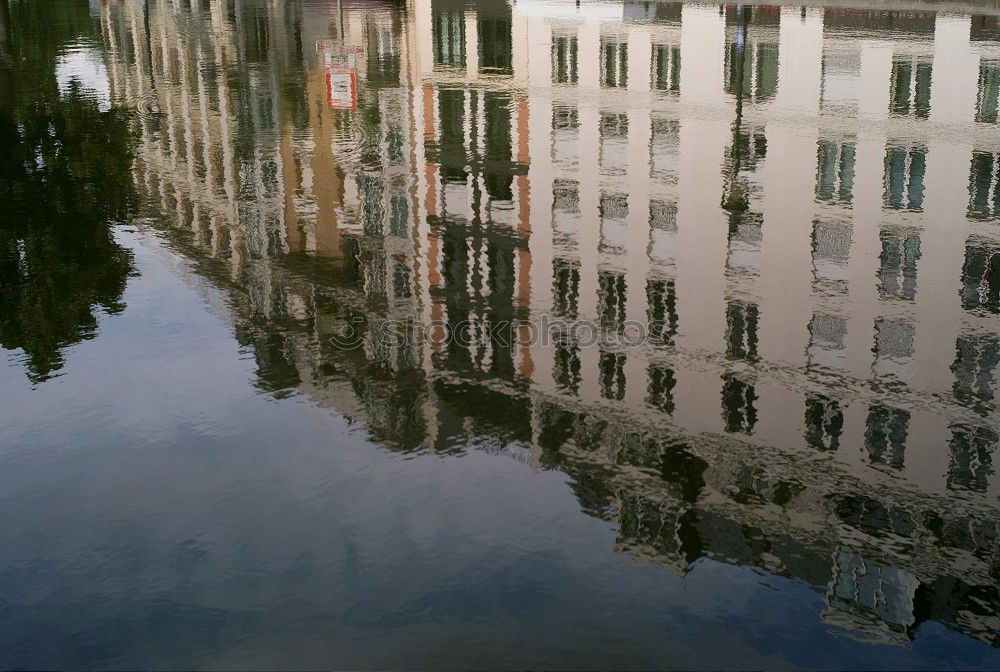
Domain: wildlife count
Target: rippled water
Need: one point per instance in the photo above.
(555, 334)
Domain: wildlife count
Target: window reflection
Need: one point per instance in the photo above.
(835, 172)
(904, 178)
(566, 288)
(611, 299)
(661, 298)
(614, 143)
(976, 359)
(910, 87)
(495, 49)
(970, 460)
(449, 37)
(893, 346)
(746, 237)
(831, 248)
(739, 410)
(827, 341)
(984, 185)
(741, 330)
(564, 59)
(869, 594)
(824, 422)
(614, 224)
(897, 278)
(885, 435)
(566, 370)
(660, 394)
(988, 94)
(612, 369)
(664, 148)
(614, 62)
(760, 71)
(565, 134)
(565, 213)
(666, 68)
(662, 233)
(981, 276)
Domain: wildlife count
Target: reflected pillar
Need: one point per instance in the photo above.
(702, 224)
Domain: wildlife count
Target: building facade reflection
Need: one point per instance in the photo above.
(817, 395)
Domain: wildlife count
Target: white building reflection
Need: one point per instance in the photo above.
(802, 205)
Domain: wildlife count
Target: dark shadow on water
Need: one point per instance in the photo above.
(65, 179)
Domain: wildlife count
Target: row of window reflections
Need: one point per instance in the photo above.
(974, 365)
(751, 70)
(896, 277)
(886, 427)
(904, 170)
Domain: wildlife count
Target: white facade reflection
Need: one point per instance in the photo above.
(802, 203)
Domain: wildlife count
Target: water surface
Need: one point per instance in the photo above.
(553, 334)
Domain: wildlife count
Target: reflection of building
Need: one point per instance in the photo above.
(474, 186)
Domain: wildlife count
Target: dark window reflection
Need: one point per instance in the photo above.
(897, 278)
(885, 435)
(760, 70)
(988, 94)
(498, 171)
(904, 178)
(495, 51)
(835, 171)
(910, 88)
(970, 462)
(449, 37)
(611, 292)
(984, 185)
(661, 313)
(981, 276)
(739, 411)
(976, 359)
(565, 288)
(612, 369)
(373, 212)
(824, 423)
(399, 216)
(660, 394)
(566, 369)
(871, 595)
(741, 330)
(564, 59)
(383, 54)
(614, 62)
(451, 143)
(401, 281)
(666, 68)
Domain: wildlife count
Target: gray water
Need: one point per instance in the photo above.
(547, 335)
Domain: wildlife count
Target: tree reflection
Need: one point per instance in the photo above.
(65, 176)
